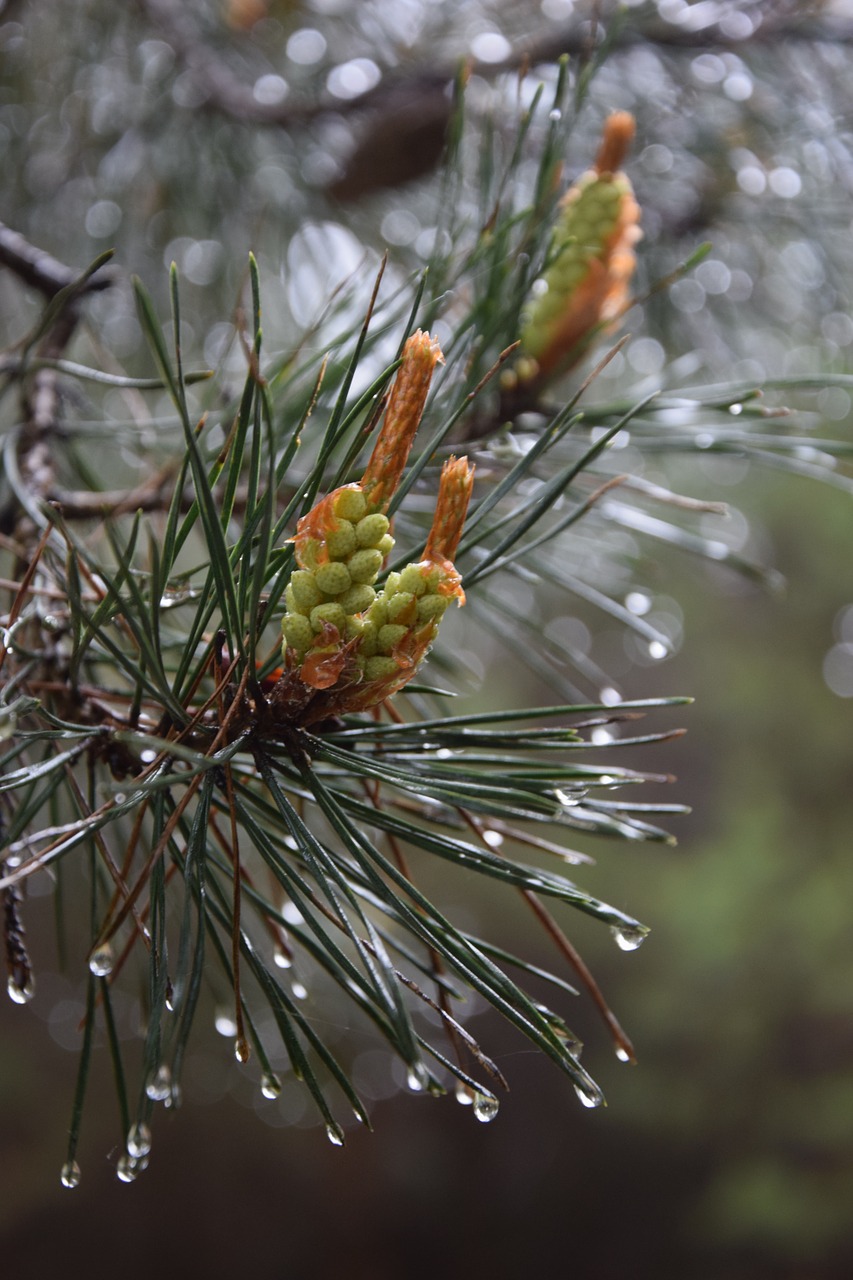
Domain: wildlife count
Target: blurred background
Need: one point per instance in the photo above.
(310, 132)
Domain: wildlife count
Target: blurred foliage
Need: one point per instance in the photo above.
(740, 1000)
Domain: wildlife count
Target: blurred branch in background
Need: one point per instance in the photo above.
(408, 110)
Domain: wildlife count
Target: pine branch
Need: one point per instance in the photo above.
(225, 705)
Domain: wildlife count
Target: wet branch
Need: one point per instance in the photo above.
(40, 270)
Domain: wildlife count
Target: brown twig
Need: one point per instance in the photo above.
(17, 958)
(41, 394)
(624, 1047)
(40, 270)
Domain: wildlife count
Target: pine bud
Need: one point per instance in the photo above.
(584, 287)
(405, 407)
(352, 647)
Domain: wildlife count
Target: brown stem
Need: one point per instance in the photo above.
(624, 1047)
(112, 924)
(18, 602)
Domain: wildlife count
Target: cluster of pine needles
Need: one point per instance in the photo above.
(210, 833)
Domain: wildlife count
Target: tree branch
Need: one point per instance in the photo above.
(222, 89)
(40, 270)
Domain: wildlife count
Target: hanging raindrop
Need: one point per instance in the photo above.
(281, 958)
(270, 1086)
(21, 994)
(101, 961)
(159, 1086)
(464, 1095)
(69, 1174)
(485, 1106)
(589, 1094)
(418, 1078)
(335, 1134)
(139, 1141)
(628, 938)
(622, 1053)
(126, 1169)
(299, 991)
(241, 1049)
(174, 1098)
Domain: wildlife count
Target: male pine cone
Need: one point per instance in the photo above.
(584, 287)
(351, 644)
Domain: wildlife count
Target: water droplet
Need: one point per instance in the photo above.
(282, 959)
(225, 1024)
(21, 994)
(175, 1097)
(335, 1134)
(159, 1086)
(299, 991)
(555, 115)
(241, 1049)
(485, 1106)
(589, 1094)
(418, 1078)
(736, 409)
(69, 1174)
(568, 799)
(638, 603)
(270, 1086)
(173, 596)
(126, 1169)
(627, 937)
(464, 1095)
(622, 1054)
(139, 1141)
(101, 961)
